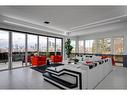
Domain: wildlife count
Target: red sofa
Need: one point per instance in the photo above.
(56, 58)
(38, 60)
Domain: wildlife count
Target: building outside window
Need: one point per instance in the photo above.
(32, 44)
(42, 44)
(18, 49)
(18, 42)
(51, 44)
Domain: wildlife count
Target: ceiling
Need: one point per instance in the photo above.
(63, 19)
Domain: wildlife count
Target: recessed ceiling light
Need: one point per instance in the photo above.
(46, 22)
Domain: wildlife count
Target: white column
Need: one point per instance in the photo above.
(125, 50)
(64, 54)
(10, 51)
(55, 47)
(77, 45)
(38, 44)
(112, 45)
(97, 49)
(26, 54)
(84, 46)
(47, 44)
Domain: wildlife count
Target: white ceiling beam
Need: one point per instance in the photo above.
(23, 23)
(98, 23)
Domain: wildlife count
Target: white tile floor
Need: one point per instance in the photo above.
(117, 79)
(26, 78)
(23, 78)
(14, 65)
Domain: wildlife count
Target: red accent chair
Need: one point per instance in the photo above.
(38, 60)
(56, 58)
(113, 61)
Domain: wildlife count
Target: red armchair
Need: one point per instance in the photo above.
(113, 61)
(38, 60)
(56, 58)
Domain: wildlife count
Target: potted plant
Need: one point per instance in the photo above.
(68, 48)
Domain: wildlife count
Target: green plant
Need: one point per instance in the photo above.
(68, 47)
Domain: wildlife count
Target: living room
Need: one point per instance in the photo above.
(63, 47)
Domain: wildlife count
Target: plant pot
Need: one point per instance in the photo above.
(68, 60)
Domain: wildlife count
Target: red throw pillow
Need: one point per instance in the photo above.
(88, 62)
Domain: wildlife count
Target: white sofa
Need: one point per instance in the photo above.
(79, 76)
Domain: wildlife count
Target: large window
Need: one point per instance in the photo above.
(4, 36)
(118, 49)
(51, 44)
(4, 41)
(81, 46)
(18, 42)
(18, 49)
(104, 46)
(42, 44)
(32, 43)
(90, 46)
(73, 43)
(58, 45)
(20, 46)
(118, 45)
